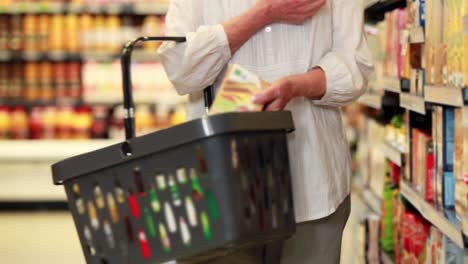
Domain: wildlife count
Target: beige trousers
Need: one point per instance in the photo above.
(317, 241)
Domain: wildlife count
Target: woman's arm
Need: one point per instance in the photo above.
(196, 64)
(341, 75)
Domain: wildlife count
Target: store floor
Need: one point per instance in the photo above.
(50, 238)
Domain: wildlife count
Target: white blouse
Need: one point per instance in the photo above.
(333, 40)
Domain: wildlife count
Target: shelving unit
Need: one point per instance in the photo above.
(372, 100)
(368, 196)
(436, 217)
(48, 150)
(391, 85)
(26, 180)
(413, 103)
(138, 56)
(393, 153)
(444, 95)
(57, 8)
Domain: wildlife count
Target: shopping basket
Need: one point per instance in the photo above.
(189, 193)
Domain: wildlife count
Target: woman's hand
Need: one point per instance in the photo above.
(291, 11)
(311, 85)
(277, 96)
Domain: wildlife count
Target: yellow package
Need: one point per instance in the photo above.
(237, 90)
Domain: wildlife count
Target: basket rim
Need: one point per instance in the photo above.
(202, 128)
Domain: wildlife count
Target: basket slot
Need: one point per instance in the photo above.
(113, 210)
(98, 196)
(110, 239)
(139, 182)
(128, 229)
(133, 204)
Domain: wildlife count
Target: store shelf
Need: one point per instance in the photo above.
(391, 84)
(444, 95)
(416, 35)
(48, 150)
(138, 56)
(372, 100)
(436, 217)
(413, 102)
(369, 197)
(58, 8)
(393, 153)
(169, 99)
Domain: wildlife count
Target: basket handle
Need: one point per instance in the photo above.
(129, 107)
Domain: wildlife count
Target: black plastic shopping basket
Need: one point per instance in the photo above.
(190, 193)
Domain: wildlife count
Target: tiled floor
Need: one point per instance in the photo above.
(50, 238)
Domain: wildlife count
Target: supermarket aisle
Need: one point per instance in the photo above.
(351, 251)
(50, 237)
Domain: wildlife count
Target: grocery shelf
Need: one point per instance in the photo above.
(169, 99)
(436, 217)
(391, 84)
(369, 197)
(372, 100)
(413, 102)
(416, 35)
(450, 96)
(10, 56)
(48, 150)
(58, 8)
(393, 153)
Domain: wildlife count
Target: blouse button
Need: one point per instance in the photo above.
(268, 29)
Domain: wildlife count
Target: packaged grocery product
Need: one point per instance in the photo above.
(237, 89)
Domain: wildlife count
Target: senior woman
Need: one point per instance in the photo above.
(315, 54)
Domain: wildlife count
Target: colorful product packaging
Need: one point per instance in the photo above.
(448, 156)
(237, 89)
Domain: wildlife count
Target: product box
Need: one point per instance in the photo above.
(461, 166)
(402, 44)
(465, 43)
(429, 177)
(415, 158)
(435, 149)
(439, 155)
(436, 39)
(236, 91)
(448, 156)
(421, 13)
(429, 43)
(421, 172)
(449, 138)
(458, 144)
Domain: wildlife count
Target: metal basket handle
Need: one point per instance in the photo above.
(129, 107)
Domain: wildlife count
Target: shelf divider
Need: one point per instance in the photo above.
(372, 100)
(393, 153)
(413, 102)
(430, 213)
(450, 96)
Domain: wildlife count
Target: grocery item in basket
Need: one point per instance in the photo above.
(237, 89)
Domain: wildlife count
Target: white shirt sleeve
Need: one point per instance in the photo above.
(195, 64)
(349, 64)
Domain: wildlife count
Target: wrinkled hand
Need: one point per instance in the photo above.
(277, 96)
(291, 11)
